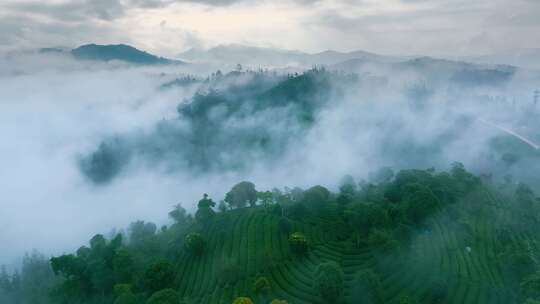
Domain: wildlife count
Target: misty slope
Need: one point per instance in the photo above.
(440, 71)
(419, 236)
(235, 121)
(120, 52)
(242, 121)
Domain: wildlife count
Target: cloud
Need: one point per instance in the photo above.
(439, 27)
(72, 11)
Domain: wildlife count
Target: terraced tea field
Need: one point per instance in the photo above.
(463, 252)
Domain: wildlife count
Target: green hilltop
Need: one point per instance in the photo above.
(418, 236)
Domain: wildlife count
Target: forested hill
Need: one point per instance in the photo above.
(418, 236)
(234, 121)
(119, 52)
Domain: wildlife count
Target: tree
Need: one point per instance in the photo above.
(179, 214)
(5, 280)
(347, 186)
(525, 196)
(241, 194)
(329, 281)
(205, 213)
(242, 300)
(364, 217)
(276, 301)
(123, 266)
(266, 198)
(222, 207)
(316, 197)
(420, 203)
(298, 243)
(165, 296)
(343, 200)
(124, 295)
(158, 275)
(383, 175)
(140, 231)
(382, 239)
(206, 202)
(194, 243)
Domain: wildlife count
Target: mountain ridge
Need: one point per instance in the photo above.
(122, 52)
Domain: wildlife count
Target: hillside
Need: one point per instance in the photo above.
(120, 52)
(419, 236)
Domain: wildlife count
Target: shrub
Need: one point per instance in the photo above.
(298, 242)
(204, 215)
(242, 300)
(262, 286)
(329, 281)
(194, 243)
(276, 301)
(165, 296)
(124, 295)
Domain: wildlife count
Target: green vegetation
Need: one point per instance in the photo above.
(419, 236)
(226, 126)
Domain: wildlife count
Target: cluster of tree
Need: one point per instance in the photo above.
(29, 285)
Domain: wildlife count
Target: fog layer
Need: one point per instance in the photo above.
(55, 114)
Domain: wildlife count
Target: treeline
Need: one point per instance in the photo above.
(144, 265)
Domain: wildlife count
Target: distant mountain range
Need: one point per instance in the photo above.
(270, 57)
(233, 54)
(527, 58)
(120, 52)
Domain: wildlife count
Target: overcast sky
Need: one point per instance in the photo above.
(166, 27)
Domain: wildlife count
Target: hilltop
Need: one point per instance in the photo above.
(120, 52)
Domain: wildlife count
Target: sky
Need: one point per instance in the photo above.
(168, 27)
